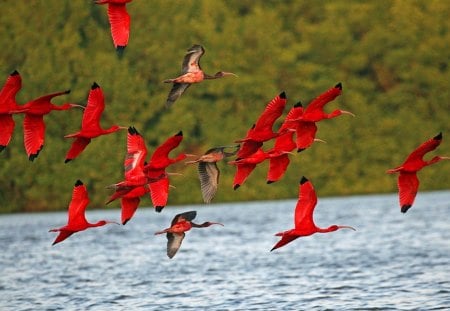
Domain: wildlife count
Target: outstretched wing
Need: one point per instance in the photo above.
(208, 173)
(273, 111)
(424, 148)
(191, 61)
(94, 108)
(307, 200)
(408, 184)
(173, 243)
(119, 19)
(77, 206)
(175, 92)
(320, 101)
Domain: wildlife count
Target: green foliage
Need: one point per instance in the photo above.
(391, 56)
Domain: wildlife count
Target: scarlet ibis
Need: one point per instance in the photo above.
(90, 124)
(408, 183)
(208, 172)
(77, 219)
(303, 218)
(156, 167)
(191, 72)
(33, 123)
(119, 21)
(245, 166)
(262, 129)
(8, 104)
(180, 224)
(314, 111)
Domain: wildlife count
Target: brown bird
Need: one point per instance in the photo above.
(208, 172)
(180, 224)
(191, 72)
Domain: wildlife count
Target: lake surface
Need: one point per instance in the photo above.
(393, 261)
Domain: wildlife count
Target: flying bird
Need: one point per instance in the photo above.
(8, 104)
(408, 183)
(33, 123)
(119, 21)
(314, 111)
(77, 219)
(90, 123)
(191, 72)
(245, 166)
(208, 172)
(262, 130)
(156, 167)
(303, 218)
(180, 224)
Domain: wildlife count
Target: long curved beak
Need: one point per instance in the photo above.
(445, 158)
(348, 112)
(216, 223)
(191, 155)
(112, 222)
(229, 74)
(346, 227)
(319, 140)
(78, 106)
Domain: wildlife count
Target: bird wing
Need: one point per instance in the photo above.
(242, 172)
(191, 61)
(408, 183)
(8, 92)
(248, 148)
(186, 216)
(45, 99)
(306, 132)
(320, 101)
(307, 200)
(77, 206)
(129, 206)
(94, 109)
(161, 153)
(277, 167)
(175, 92)
(135, 157)
(34, 134)
(208, 172)
(424, 148)
(159, 192)
(273, 111)
(78, 145)
(63, 234)
(119, 19)
(173, 243)
(6, 130)
(285, 239)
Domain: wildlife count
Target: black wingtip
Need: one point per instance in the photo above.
(300, 149)
(33, 156)
(283, 95)
(66, 91)
(2, 147)
(236, 186)
(338, 86)
(94, 86)
(78, 183)
(67, 160)
(299, 104)
(270, 182)
(120, 49)
(133, 131)
(125, 221)
(180, 133)
(438, 136)
(405, 208)
(303, 180)
(158, 209)
(14, 73)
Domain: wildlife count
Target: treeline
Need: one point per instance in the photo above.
(392, 58)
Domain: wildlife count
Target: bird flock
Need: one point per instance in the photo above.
(145, 175)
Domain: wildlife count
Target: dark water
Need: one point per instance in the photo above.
(393, 261)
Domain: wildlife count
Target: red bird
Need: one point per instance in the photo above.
(119, 20)
(246, 165)
(208, 172)
(159, 161)
(284, 142)
(33, 123)
(77, 219)
(180, 224)
(8, 104)
(314, 111)
(262, 129)
(303, 220)
(408, 183)
(90, 124)
(191, 72)
(136, 183)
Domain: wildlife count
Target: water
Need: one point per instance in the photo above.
(393, 261)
